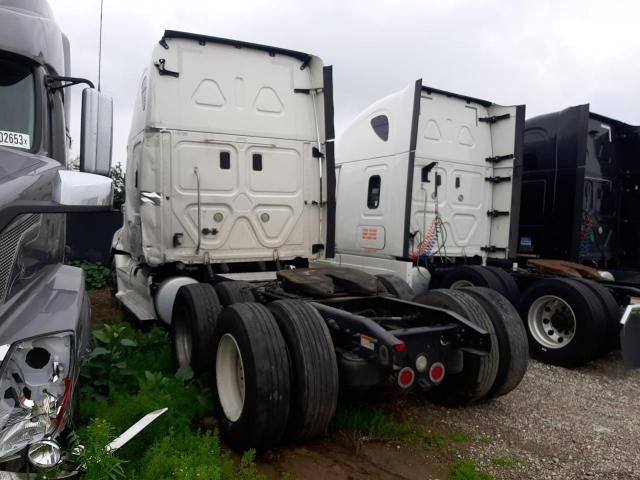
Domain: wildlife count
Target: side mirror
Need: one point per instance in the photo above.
(77, 192)
(96, 136)
(79, 189)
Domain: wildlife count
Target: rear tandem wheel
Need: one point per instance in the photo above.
(193, 322)
(479, 373)
(252, 377)
(234, 291)
(479, 276)
(314, 369)
(565, 321)
(511, 338)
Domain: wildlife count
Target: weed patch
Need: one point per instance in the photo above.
(97, 275)
(373, 423)
(188, 455)
(128, 375)
(465, 469)
(100, 463)
(119, 358)
(379, 425)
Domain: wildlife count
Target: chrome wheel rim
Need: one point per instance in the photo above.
(230, 378)
(552, 322)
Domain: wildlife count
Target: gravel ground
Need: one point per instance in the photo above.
(559, 423)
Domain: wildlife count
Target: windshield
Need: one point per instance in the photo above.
(17, 104)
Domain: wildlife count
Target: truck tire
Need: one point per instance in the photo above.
(193, 322)
(252, 377)
(511, 290)
(612, 312)
(565, 321)
(231, 292)
(511, 339)
(479, 372)
(314, 369)
(474, 276)
(394, 285)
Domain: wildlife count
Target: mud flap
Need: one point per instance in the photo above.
(630, 336)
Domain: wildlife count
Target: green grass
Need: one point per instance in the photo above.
(459, 437)
(373, 423)
(507, 461)
(175, 446)
(183, 443)
(188, 455)
(465, 469)
(379, 425)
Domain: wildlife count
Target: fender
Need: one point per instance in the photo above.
(166, 296)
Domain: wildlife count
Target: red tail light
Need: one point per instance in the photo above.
(406, 377)
(400, 347)
(436, 372)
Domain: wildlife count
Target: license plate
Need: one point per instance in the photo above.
(15, 139)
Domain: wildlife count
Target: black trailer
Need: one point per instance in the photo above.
(577, 270)
(580, 189)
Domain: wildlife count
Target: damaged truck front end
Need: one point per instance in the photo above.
(44, 308)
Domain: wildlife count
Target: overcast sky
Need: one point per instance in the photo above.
(546, 54)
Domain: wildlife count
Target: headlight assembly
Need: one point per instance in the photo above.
(35, 390)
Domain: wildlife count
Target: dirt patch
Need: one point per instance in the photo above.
(103, 308)
(344, 458)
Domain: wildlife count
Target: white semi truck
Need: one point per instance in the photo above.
(425, 173)
(428, 188)
(230, 194)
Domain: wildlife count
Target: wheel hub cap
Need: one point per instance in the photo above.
(230, 377)
(551, 322)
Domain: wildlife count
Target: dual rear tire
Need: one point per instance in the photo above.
(492, 375)
(252, 377)
(478, 276)
(275, 369)
(276, 373)
(569, 322)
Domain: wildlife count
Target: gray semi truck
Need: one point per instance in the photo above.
(44, 308)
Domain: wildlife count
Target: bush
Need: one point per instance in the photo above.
(119, 358)
(97, 275)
